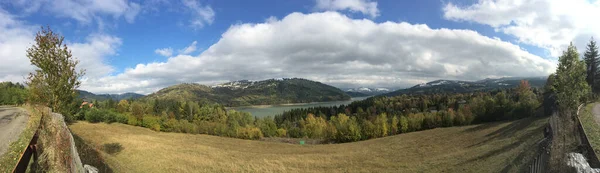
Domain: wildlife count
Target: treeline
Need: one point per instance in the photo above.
(383, 116)
(185, 117)
(12, 93)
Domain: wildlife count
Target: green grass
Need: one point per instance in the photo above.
(492, 147)
(9, 159)
(591, 127)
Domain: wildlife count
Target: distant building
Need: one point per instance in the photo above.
(91, 105)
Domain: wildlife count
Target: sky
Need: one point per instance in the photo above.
(143, 46)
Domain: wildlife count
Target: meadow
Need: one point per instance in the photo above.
(493, 147)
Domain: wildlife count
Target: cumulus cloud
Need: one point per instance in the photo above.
(365, 7)
(83, 11)
(548, 24)
(16, 38)
(201, 15)
(164, 52)
(190, 49)
(334, 49)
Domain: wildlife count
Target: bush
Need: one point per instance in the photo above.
(109, 117)
(151, 122)
(131, 120)
(121, 118)
(249, 133)
(281, 132)
(94, 116)
(171, 125)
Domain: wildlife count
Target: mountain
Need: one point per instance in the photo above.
(101, 97)
(368, 91)
(245, 92)
(356, 94)
(456, 86)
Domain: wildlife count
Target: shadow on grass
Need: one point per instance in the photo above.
(510, 130)
(90, 156)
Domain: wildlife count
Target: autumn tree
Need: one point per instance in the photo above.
(55, 80)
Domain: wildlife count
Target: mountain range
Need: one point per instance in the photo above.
(457, 86)
(366, 91)
(245, 92)
(88, 96)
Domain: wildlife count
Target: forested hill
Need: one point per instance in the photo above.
(243, 93)
(454, 86)
(88, 96)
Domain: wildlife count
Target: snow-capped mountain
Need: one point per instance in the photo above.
(368, 91)
(456, 86)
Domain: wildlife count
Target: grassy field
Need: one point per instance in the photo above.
(591, 127)
(493, 147)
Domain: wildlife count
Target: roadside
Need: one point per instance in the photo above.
(15, 147)
(12, 122)
(590, 120)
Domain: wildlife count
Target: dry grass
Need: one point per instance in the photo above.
(494, 147)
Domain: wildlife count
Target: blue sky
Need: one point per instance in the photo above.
(118, 40)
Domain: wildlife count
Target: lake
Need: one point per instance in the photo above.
(272, 110)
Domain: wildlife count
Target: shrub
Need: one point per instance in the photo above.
(171, 125)
(281, 132)
(249, 133)
(131, 120)
(121, 118)
(109, 117)
(94, 116)
(151, 122)
(112, 148)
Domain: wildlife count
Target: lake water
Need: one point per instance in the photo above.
(272, 110)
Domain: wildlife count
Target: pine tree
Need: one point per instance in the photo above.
(569, 83)
(592, 61)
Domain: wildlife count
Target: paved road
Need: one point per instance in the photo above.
(12, 122)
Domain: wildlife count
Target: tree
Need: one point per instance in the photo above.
(123, 106)
(54, 82)
(591, 57)
(569, 83)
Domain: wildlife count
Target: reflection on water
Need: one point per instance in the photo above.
(272, 110)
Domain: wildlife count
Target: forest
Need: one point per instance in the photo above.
(367, 119)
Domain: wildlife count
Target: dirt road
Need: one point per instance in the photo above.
(12, 122)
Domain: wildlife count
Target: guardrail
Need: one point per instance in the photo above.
(30, 150)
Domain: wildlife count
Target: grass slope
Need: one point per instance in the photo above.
(493, 147)
(591, 127)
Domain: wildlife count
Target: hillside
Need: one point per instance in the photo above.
(455, 86)
(243, 93)
(101, 97)
(492, 147)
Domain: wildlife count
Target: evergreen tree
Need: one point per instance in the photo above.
(592, 61)
(569, 83)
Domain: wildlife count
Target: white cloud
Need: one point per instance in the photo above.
(365, 7)
(84, 11)
(189, 49)
(548, 24)
(164, 52)
(201, 15)
(92, 54)
(16, 38)
(334, 49)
